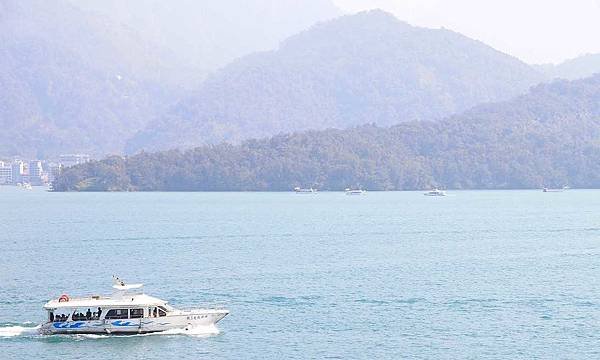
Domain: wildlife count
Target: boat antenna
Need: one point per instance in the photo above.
(118, 281)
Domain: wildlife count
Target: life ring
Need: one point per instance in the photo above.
(63, 298)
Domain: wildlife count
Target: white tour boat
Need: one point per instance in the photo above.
(355, 191)
(564, 188)
(435, 192)
(298, 190)
(127, 311)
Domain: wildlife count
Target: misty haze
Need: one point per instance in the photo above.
(322, 178)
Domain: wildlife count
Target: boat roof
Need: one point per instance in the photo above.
(94, 302)
(124, 287)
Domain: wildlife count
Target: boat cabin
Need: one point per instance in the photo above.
(128, 302)
(76, 313)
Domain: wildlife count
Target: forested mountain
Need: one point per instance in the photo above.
(548, 137)
(368, 67)
(576, 68)
(86, 75)
(71, 82)
(202, 36)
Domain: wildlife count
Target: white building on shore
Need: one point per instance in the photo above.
(54, 169)
(5, 173)
(74, 159)
(37, 172)
(18, 171)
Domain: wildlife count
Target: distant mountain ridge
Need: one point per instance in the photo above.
(357, 69)
(577, 68)
(202, 36)
(67, 83)
(78, 77)
(548, 137)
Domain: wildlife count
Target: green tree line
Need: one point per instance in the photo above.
(549, 137)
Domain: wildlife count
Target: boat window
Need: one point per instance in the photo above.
(161, 311)
(136, 313)
(60, 317)
(116, 314)
(77, 315)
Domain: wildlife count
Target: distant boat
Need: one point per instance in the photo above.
(564, 188)
(299, 190)
(435, 192)
(355, 191)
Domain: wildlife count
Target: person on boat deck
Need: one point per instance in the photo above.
(99, 312)
(88, 314)
(51, 316)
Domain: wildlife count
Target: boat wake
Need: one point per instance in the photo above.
(24, 329)
(29, 329)
(198, 331)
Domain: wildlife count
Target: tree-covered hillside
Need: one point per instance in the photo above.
(70, 81)
(549, 137)
(577, 68)
(365, 68)
(86, 75)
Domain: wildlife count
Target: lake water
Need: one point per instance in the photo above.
(479, 274)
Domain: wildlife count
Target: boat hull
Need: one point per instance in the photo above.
(183, 320)
(355, 192)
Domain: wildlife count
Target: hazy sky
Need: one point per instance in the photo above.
(537, 31)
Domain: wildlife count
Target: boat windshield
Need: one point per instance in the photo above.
(168, 307)
(157, 311)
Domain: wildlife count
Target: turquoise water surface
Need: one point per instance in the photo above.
(387, 275)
